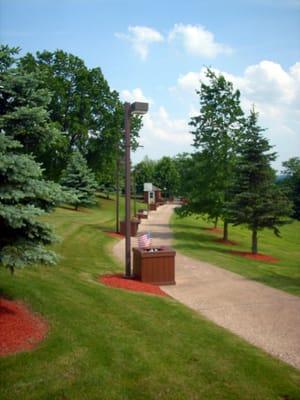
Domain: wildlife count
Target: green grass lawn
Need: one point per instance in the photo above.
(111, 344)
(192, 239)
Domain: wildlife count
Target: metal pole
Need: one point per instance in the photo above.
(118, 193)
(134, 193)
(127, 191)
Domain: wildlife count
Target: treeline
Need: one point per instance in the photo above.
(164, 173)
(229, 176)
(61, 131)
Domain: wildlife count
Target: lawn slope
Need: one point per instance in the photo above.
(111, 344)
(192, 238)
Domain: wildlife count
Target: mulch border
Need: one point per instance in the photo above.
(21, 329)
(131, 284)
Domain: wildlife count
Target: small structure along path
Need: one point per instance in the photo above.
(266, 317)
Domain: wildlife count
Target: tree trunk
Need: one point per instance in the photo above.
(254, 241)
(216, 222)
(76, 207)
(225, 230)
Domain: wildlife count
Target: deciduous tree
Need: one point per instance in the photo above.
(166, 176)
(217, 133)
(84, 107)
(291, 183)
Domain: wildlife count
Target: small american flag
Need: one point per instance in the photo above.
(144, 240)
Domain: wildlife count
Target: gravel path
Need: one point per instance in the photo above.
(266, 317)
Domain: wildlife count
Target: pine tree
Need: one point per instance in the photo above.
(24, 196)
(23, 111)
(258, 202)
(80, 180)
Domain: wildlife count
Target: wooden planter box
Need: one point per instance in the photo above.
(152, 207)
(134, 225)
(154, 267)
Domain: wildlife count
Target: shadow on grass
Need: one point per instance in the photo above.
(195, 237)
(279, 282)
(207, 228)
(102, 227)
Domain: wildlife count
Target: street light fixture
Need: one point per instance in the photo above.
(140, 109)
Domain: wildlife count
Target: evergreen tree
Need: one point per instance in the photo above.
(24, 196)
(217, 132)
(258, 202)
(80, 180)
(23, 111)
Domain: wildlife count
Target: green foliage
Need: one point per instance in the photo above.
(194, 238)
(23, 110)
(217, 133)
(144, 172)
(79, 180)
(217, 127)
(204, 196)
(111, 344)
(291, 183)
(257, 202)
(84, 108)
(182, 163)
(162, 173)
(7, 56)
(24, 196)
(166, 176)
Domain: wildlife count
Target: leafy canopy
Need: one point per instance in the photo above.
(291, 183)
(217, 134)
(84, 108)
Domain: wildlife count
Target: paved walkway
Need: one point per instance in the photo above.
(266, 317)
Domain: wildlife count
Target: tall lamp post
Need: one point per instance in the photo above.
(117, 194)
(134, 108)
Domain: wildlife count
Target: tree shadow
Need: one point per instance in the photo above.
(279, 281)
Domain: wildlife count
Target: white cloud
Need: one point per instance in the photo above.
(135, 95)
(160, 131)
(198, 41)
(275, 91)
(141, 37)
(160, 127)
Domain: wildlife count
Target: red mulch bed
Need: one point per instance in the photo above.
(227, 242)
(257, 257)
(215, 230)
(115, 235)
(20, 330)
(118, 281)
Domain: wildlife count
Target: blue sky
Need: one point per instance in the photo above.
(157, 51)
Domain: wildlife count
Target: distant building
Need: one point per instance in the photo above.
(154, 196)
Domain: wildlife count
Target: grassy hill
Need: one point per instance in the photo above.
(111, 344)
(192, 238)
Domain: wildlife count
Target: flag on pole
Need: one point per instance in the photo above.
(144, 240)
